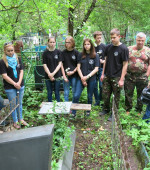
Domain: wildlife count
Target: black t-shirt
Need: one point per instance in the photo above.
(88, 64)
(115, 56)
(100, 50)
(69, 59)
(52, 59)
(9, 71)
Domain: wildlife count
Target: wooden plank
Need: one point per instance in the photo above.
(78, 106)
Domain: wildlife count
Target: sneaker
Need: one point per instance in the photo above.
(110, 118)
(103, 112)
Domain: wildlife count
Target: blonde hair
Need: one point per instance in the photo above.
(4, 55)
(72, 41)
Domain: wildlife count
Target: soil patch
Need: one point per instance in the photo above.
(93, 148)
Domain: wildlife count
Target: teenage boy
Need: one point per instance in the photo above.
(100, 50)
(115, 67)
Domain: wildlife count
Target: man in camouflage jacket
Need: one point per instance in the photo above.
(137, 72)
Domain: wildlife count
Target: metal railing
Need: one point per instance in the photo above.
(32, 61)
(5, 112)
(120, 155)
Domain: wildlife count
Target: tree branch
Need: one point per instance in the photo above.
(119, 8)
(76, 4)
(89, 11)
(13, 7)
(40, 18)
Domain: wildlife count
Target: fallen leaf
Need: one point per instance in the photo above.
(82, 129)
(76, 153)
(101, 128)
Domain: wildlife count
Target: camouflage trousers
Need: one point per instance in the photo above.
(110, 85)
(132, 81)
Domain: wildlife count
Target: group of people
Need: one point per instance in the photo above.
(79, 70)
(112, 67)
(115, 65)
(128, 67)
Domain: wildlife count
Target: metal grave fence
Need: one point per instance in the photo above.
(119, 150)
(5, 112)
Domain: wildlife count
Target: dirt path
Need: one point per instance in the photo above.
(93, 144)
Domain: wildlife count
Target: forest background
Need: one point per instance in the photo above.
(79, 18)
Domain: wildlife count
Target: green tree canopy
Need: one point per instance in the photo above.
(18, 17)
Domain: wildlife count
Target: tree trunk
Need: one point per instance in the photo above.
(13, 33)
(70, 20)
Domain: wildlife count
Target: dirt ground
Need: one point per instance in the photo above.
(93, 150)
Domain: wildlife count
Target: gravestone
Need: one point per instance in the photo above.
(27, 149)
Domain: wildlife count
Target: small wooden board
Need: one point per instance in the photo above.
(78, 106)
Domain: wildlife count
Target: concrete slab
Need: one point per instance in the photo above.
(59, 108)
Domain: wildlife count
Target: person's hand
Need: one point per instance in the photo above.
(84, 78)
(69, 73)
(17, 85)
(102, 77)
(102, 61)
(66, 80)
(51, 77)
(121, 83)
(84, 83)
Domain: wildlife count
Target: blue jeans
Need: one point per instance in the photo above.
(72, 82)
(98, 95)
(147, 114)
(79, 89)
(50, 86)
(1, 102)
(11, 94)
